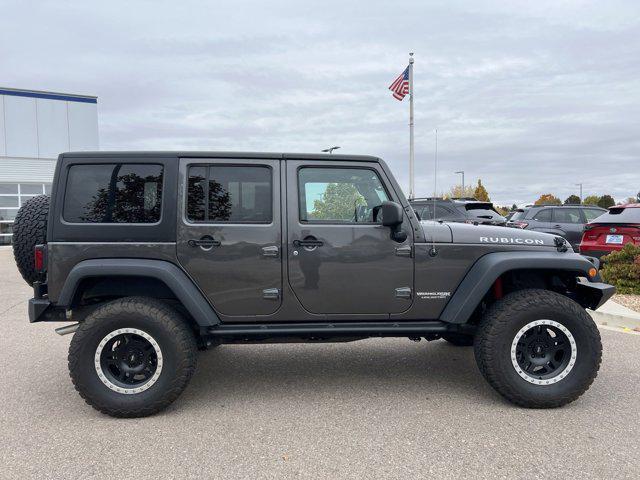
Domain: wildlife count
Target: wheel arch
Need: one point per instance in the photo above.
(118, 277)
(483, 275)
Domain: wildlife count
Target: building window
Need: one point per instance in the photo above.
(12, 197)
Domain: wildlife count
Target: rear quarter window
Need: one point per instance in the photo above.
(113, 193)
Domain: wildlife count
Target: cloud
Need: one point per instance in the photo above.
(531, 97)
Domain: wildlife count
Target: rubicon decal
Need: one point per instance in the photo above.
(517, 240)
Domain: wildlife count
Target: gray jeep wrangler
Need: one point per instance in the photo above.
(155, 255)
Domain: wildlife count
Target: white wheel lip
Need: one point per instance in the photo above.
(116, 388)
(560, 376)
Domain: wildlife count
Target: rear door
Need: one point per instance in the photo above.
(570, 223)
(341, 259)
(229, 232)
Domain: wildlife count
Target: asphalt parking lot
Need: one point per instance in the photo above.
(368, 409)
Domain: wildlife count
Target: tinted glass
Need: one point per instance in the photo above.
(226, 193)
(10, 188)
(543, 215)
(113, 193)
(592, 213)
(621, 216)
(9, 201)
(26, 189)
(8, 214)
(341, 195)
(567, 215)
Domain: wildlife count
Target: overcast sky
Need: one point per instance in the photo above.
(532, 97)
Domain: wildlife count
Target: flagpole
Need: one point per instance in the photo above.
(412, 186)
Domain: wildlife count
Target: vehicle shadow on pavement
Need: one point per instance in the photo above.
(237, 373)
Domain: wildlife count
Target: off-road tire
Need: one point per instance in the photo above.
(498, 329)
(458, 339)
(166, 326)
(29, 230)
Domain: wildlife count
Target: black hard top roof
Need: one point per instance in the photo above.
(246, 155)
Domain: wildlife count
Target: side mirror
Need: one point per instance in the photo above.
(392, 216)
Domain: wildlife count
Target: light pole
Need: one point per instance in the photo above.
(330, 149)
(462, 172)
(580, 185)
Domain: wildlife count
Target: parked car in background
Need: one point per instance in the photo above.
(612, 231)
(566, 221)
(466, 210)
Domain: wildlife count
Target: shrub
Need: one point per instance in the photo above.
(622, 269)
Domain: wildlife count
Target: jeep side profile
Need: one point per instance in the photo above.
(155, 255)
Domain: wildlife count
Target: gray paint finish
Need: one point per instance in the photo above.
(235, 274)
(63, 256)
(357, 269)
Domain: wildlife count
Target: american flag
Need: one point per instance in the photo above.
(400, 86)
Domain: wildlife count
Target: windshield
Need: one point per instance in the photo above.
(517, 215)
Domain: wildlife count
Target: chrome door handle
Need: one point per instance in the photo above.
(270, 251)
(404, 251)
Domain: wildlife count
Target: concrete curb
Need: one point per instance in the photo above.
(617, 322)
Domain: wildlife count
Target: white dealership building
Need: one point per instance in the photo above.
(35, 127)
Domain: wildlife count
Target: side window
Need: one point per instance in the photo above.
(592, 213)
(442, 212)
(543, 215)
(340, 195)
(113, 193)
(567, 215)
(229, 193)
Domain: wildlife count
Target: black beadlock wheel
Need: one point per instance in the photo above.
(538, 349)
(29, 230)
(132, 357)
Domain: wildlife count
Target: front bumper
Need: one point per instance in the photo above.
(593, 294)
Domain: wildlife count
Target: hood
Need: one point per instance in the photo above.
(488, 235)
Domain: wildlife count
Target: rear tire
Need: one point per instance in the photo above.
(538, 349)
(132, 357)
(458, 339)
(29, 230)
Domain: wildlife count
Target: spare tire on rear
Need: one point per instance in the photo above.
(29, 230)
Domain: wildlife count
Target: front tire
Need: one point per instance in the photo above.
(538, 349)
(132, 357)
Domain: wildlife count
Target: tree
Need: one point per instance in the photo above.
(481, 193)
(631, 200)
(457, 192)
(514, 207)
(572, 200)
(591, 200)
(339, 202)
(504, 211)
(606, 201)
(548, 199)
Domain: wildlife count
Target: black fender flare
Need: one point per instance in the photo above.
(489, 267)
(172, 276)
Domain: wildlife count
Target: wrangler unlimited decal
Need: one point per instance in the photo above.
(520, 241)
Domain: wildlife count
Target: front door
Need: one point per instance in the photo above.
(341, 259)
(229, 233)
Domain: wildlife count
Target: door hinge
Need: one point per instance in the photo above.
(404, 251)
(271, 293)
(403, 292)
